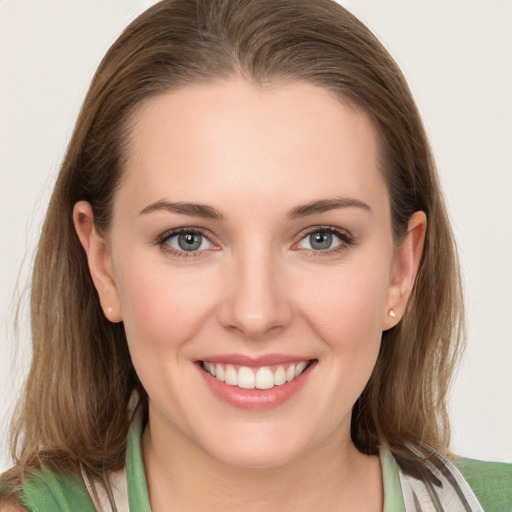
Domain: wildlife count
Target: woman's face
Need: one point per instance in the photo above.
(251, 234)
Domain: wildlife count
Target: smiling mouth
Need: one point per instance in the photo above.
(263, 377)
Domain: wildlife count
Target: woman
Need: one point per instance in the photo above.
(237, 297)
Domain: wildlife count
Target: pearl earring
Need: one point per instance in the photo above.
(392, 313)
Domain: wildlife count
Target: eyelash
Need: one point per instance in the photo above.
(165, 237)
(345, 237)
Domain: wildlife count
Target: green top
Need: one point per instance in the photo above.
(53, 492)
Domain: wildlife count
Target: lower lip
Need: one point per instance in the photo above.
(256, 399)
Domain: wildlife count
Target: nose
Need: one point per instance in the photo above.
(256, 304)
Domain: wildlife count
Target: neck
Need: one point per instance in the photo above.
(333, 476)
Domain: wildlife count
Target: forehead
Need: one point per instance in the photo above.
(233, 140)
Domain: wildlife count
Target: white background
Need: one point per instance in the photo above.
(457, 57)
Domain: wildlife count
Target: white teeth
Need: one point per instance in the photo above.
(300, 368)
(219, 371)
(231, 376)
(264, 378)
(248, 378)
(280, 376)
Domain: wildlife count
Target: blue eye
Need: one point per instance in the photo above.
(325, 239)
(188, 241)
(320, 241)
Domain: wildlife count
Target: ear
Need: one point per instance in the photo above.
(406, 260)
(99, 260)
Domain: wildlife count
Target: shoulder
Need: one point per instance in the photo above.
(490, 481)
(51, 491)
(10, 505)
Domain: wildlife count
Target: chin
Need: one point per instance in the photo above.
(256, 460)
(257, 451)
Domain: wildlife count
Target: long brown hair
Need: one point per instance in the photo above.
(74, 407)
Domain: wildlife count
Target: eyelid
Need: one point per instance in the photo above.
(345, 236)
(161, 241)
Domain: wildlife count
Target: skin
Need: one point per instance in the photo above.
(10, 505)
(256, 287)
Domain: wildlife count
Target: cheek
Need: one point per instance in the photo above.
(345, 312)
(346, 306)
(162, 309)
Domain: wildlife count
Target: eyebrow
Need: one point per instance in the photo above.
(325, 205)
(209, 212)
(192, 209)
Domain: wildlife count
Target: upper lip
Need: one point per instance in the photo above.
(255, 360)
